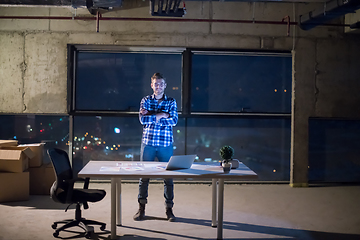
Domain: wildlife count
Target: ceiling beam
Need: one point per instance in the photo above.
(332, 9)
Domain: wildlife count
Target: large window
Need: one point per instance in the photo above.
(52, 130)
(242, 99)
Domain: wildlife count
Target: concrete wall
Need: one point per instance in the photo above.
(33, 70)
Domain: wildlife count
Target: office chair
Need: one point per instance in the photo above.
(63, 191)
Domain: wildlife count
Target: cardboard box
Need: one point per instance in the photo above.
(41, 179)
(38, 150)
(14, 187)
(8, 143)
(15, 160)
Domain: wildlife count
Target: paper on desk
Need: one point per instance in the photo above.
(109, 169)
(133, 168)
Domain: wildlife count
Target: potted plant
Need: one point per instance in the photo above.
(226, 154)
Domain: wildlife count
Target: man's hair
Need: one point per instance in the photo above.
(157, 76)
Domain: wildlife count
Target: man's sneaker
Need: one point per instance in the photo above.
(140, 215)
(169, 214)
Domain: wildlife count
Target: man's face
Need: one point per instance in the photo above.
(158, 86)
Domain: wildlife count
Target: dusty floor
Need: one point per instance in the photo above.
(252, 211)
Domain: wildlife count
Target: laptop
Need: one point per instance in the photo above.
(180, 162)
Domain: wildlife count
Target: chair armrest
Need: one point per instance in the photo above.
(71, 186)
(86, 183)
(85, 180)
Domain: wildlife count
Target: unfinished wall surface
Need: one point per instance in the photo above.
(45, 76)
(11, 71)
(337, 78)
(33, 70)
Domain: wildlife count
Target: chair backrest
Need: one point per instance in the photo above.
(60, 161)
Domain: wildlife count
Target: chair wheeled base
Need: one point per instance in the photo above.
(79, 222)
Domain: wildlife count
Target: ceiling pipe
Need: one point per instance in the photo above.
(163, 20)
(99, 17)
(287, 18)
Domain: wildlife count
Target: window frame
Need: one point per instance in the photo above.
(185, 112)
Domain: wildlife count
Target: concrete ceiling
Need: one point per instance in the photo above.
(332, 8)
(83, 2)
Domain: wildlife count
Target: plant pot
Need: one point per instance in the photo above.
(226, 166)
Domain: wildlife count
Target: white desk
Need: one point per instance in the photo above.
(117, 170)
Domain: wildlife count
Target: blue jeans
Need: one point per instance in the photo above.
(163, 154)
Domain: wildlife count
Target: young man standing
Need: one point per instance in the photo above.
(158, 115)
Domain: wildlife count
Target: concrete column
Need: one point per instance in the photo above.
(303, 98)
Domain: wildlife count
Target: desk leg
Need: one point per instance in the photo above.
(214, 202)
(220, 209)
(113, 208)
(118, 202)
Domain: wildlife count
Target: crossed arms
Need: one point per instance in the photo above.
(164, 118)
(158, 116)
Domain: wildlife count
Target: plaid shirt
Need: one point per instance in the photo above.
(158, 133)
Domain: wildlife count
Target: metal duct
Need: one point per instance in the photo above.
(171, 8)
(332, 10)
(98, 6)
